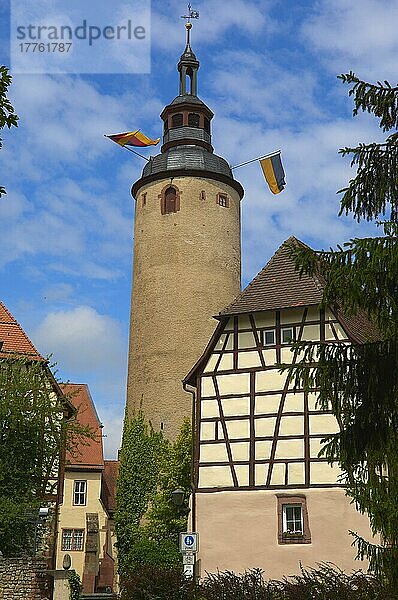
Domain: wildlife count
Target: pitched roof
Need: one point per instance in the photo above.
(278, 285)
(13, 339)
(88, 454)
(108, 491)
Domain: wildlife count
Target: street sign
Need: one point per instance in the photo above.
(188, 571)
(188, 559)
(188, 541)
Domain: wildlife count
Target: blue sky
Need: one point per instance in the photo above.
(268, 71)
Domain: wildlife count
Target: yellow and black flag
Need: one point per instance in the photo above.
(273, 172)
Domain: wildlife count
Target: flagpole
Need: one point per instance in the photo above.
(129, 149)
(137, 153)
(258, 158)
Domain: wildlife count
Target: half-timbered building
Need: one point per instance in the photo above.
(16, 345)
(262, 495)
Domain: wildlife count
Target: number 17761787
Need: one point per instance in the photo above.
(45, 47)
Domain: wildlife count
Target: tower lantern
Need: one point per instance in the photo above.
(187, 255)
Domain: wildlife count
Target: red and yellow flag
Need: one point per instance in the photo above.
(133, 138)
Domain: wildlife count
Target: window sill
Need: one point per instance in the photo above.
(294, 538)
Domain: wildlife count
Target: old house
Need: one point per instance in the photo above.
(263, 497)
(86, 530)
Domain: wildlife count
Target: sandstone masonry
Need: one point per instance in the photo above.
(24, 579)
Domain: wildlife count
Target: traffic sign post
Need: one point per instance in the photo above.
(188, 549)
(188, 571)
(188, 559)
(188, 542)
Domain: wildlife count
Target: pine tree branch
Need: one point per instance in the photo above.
(380, 99)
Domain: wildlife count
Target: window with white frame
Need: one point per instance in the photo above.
(287, 335)
(72, 539)
(79, 493)
(269, 337)
(292, 517)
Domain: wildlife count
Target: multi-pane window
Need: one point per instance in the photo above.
(287, 335)
(292, 518)
(72, 539)
(223, 200)
(79, 493)
(269, 337)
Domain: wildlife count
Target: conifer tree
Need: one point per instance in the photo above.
(360, 381)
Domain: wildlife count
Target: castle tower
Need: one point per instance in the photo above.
(187, 255)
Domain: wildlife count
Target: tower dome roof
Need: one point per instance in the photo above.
(187, 157)
(187, 147)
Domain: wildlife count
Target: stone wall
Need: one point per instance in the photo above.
(24, 579)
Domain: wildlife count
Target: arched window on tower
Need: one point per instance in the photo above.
(170, 200)
(189, 76)
(207, 125)
(177, 120)
(193, 120)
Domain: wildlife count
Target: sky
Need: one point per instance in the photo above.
(268, 71)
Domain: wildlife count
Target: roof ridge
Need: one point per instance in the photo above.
(13, 319)
(277, 285)
(254, 280)
(16, 341)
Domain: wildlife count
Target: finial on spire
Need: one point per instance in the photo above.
(192, 14)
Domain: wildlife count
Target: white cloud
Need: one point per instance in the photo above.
(112, 432)
(58, 292)
(358, 36)
(91, 348)
(81, 339)
(216, 20)
(247, 95)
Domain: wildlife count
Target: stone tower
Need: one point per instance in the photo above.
(187, 255)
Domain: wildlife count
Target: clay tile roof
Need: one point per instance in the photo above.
(13, 339)
(108, 491)
(278, 285)
(89, 454)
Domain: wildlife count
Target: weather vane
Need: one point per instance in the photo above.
(192, 14)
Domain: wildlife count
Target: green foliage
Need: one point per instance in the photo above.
(75, 586)
(147, 522)
(326, 583)
(140, 459)
(153, 552)
(8, 117)
(164, 519)
(16, 527)
(359, 381)
(32, 433)
(146, 582)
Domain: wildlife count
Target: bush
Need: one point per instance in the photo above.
(154, 583)
(324, 583)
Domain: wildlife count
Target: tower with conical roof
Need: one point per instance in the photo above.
(187, 255)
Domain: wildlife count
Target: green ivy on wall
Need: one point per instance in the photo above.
(147, 522)
(75, 585)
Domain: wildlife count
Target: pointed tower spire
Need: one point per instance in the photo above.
(188, 65)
